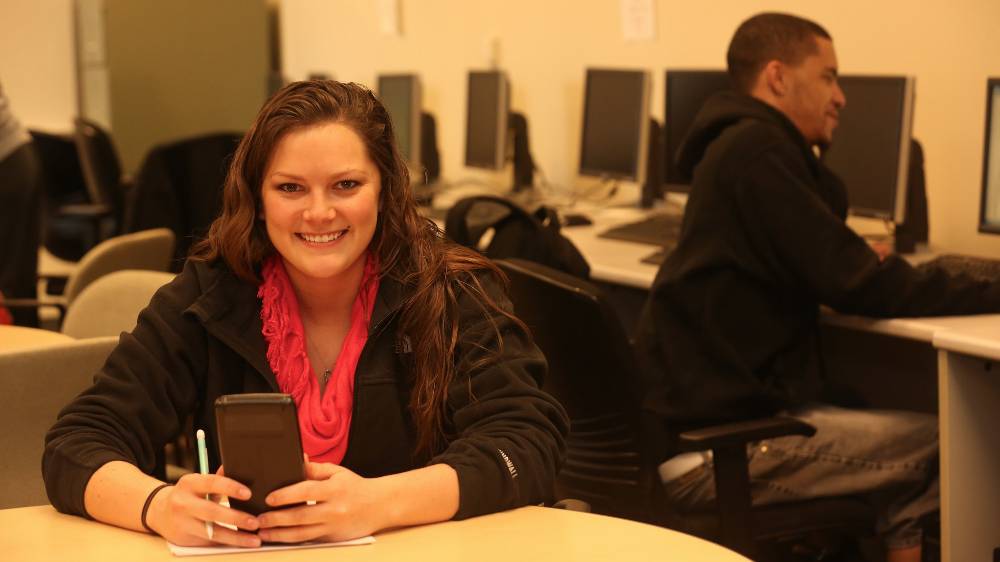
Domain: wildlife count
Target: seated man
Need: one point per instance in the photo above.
(20, 214)
(730, 328)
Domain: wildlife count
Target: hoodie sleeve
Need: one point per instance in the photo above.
(136, 403)
(807, 245)
(510, 434)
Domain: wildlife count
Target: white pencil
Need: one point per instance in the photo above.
(203, 468)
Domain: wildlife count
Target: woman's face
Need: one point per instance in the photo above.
(320, 198)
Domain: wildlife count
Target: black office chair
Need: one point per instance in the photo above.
(179, 186)
(69, 228)
(102, 174)
(614, 449)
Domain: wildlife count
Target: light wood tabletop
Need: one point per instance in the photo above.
(16, 338)
(530, 533)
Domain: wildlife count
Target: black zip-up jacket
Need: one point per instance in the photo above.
(730, 327)
(200, 338)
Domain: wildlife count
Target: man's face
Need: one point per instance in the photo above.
(813, 97)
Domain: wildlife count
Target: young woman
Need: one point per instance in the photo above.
(417, 390)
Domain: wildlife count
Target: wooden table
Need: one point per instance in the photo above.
(528, 534)
(18, 337)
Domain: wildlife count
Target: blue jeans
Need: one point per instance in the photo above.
(888, 457)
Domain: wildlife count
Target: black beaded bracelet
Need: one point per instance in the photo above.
(145, 506)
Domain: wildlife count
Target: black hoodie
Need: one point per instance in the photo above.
(730, 327)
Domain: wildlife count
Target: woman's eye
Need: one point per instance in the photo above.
(288, 187)
(347, 184)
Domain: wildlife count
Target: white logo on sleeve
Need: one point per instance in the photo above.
(510, 466)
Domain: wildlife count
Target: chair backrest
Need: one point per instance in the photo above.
(516, 233)
(35, 384)
(149, 249)
(62, 173)
(179, 186)
(102, 172)
(111, 304)
(593, 374)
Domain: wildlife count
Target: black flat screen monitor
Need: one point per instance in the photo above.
(486, 119)
(870, 151)
(401, 95)
(686, 92)
(615, 124)
(989, 217)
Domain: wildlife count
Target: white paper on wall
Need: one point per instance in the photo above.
(638, 20)
(387, 12)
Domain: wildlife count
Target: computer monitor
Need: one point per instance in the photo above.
(401, 95)
(989, 215)
(486, 119)
(686, 92)
(871, 145)
(615, 124)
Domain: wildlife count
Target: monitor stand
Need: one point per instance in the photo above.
(914, 228)
(524, 165)
(423, 179)
(652, 189)
(429, 156)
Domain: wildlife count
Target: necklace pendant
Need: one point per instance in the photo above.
(326, 376)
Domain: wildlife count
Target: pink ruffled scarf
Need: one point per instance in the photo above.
(324, 418)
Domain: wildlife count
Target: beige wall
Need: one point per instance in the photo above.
(181, 68)
(544, 45)
(36, 62)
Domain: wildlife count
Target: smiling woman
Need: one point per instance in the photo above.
(320, 204)
(417, 389)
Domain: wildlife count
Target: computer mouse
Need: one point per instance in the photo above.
(576, 219)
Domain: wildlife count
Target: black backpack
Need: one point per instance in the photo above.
(516, 233)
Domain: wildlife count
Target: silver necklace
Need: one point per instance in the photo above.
(327, 369)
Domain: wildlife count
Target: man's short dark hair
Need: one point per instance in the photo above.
(766, 37)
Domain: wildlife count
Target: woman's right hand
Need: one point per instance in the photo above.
(178, 513)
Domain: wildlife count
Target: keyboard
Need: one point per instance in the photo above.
(658, 229)
(983, 269)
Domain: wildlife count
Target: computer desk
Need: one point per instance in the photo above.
(907, 356)
(529, 533)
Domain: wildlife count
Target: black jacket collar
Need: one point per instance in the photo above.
(726, 109)
(221, 310)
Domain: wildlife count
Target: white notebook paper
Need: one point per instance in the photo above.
(220, 549)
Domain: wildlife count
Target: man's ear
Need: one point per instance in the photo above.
(775, 78)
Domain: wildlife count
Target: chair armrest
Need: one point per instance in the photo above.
(87, 210)
(34, 303)
(728, 443)
(730, 434)
(572, 504)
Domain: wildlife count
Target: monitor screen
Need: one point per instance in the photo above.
(989, 220)
(486, 120)
(686, 92)
(871, 145)
(400, 94)
(615, 124)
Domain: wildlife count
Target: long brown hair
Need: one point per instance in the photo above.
(410, 248)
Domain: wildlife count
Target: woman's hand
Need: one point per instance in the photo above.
(347, 506)
(179, 513)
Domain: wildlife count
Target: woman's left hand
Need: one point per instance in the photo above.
(347, 507)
